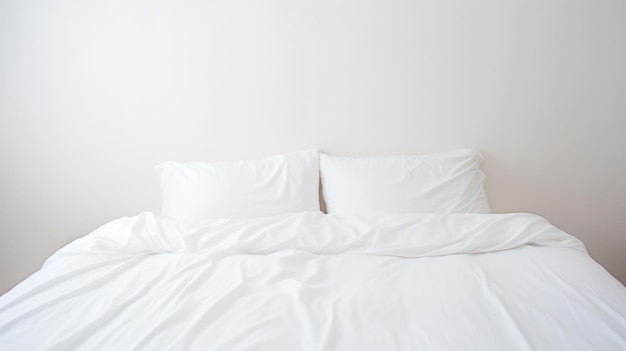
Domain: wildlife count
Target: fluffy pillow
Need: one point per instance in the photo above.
(241, 189)
(448, 182)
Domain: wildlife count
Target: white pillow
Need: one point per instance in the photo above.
(449, 182)
(241, 189)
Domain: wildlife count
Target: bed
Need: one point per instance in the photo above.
(407, 257)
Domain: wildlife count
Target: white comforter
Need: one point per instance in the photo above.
(319, 282)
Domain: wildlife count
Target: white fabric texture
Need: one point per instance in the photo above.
(313, 282)
(241, 189)
(449, 182)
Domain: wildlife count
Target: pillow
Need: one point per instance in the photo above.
(241, 189)
(449, 182)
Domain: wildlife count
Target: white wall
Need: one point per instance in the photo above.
(93, 94)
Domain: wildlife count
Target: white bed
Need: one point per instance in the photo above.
(306, 280)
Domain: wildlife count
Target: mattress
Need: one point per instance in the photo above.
(309, 281)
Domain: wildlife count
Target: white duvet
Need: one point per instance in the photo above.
(319, 282)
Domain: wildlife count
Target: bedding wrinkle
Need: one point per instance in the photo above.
(494, 299)
(456, 174)
(605, 316)
(284, 291)
(35, 303)
(194, 274)
(112, 313)
(220, 307)
(191, 295)
(329, 331)
(553, 323)
(180, 295)
(299, 276)
(317, 282)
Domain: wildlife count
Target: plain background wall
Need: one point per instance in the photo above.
(94, 94)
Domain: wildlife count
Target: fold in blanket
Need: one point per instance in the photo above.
(412, 235)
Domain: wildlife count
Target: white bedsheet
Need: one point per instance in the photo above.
(319, 282)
